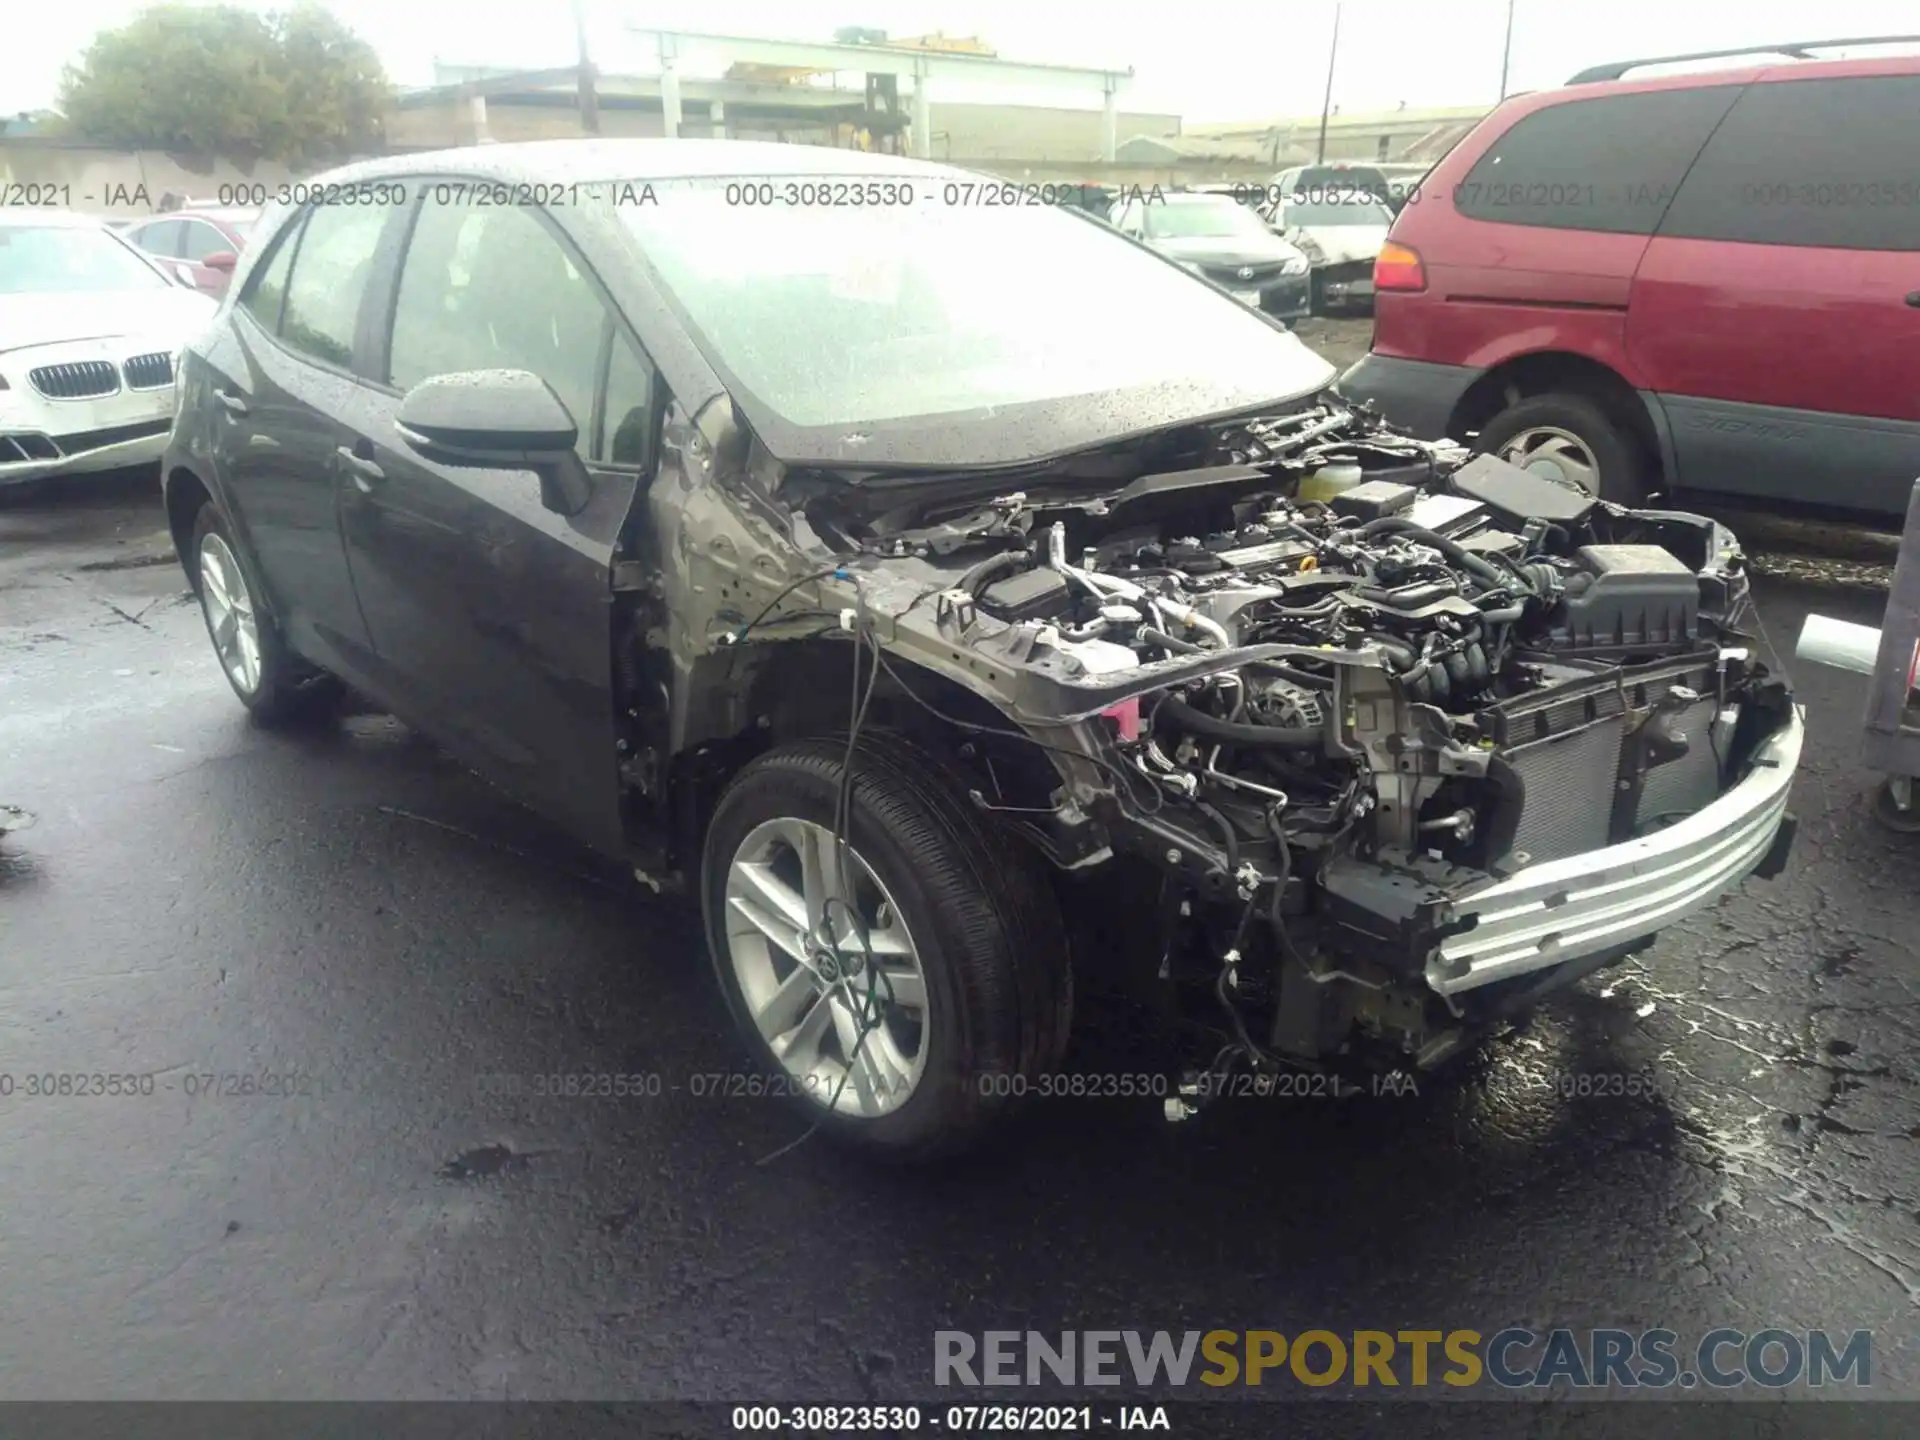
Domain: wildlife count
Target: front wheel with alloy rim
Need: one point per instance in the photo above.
(901, 987)
(1573, 440)
(272, 682)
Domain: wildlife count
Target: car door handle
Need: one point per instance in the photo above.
(232, 403)
(364, 468)
(1913, 298)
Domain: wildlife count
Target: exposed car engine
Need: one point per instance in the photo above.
(1333, 680)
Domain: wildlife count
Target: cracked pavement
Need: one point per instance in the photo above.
(198, 898)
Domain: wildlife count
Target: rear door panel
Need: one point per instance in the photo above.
(274, 455)
(1534, 245)
(1771, 312)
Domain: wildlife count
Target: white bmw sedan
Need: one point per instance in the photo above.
(89, 331)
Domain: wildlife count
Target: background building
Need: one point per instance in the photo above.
(473, 105)
(1402, 135)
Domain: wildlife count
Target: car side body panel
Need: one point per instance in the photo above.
(273, 464)
(1778, 370)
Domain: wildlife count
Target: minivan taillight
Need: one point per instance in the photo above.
(1398, 267)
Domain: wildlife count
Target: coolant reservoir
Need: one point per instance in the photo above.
(1329, 480)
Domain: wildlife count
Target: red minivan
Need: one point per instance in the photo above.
(1705, 281)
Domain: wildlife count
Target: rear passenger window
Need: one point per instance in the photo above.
(266, 292)
(1810, 162)
(1609, 164)
(330, 275)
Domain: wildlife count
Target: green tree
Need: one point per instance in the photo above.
(295, 86)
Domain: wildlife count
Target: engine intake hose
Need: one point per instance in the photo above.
(1168, 642)
(1485, 570)
(1407, 597)
(990, 569)
(1182, 716)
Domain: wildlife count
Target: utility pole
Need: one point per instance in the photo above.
(589, 101)
(1506, 53)
(1326, 103)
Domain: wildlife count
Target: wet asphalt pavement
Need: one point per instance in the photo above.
(199, 899)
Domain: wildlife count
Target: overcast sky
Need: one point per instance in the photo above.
(1206, 60)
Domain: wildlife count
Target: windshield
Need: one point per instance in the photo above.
(969, 317)
(1224, 219)
(60, 259)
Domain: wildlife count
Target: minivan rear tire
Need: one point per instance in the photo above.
(1616, 452)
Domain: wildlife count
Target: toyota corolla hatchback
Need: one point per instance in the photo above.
(752, 511)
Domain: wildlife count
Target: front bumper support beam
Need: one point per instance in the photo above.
(1562, 910)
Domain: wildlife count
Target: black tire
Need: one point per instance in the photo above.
(984, 921)
(288, 690)
(1887, 811)
(1625, 472)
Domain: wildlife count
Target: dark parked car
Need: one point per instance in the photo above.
(1222, 240)
(1705, 281)
(201, 245)
(800, 554)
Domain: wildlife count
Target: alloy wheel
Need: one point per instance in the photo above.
(1555, 454)
(228, 605)
(826, 967)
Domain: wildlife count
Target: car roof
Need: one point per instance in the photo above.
(1710, 71)
(1778, 63)
(583, 161)
(1515, 108)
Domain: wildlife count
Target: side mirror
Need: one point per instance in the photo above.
(499, 420)
(221, 260)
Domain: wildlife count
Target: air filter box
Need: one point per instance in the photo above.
(1629, 597)
(1373, 500)
(1517, 496)
(1038, 594)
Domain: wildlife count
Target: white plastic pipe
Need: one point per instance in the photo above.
(1844, 646)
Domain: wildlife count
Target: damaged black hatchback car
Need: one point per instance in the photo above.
(958, 599)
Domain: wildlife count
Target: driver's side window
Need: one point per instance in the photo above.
(491, 288)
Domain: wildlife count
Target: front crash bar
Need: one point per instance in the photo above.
(1561, 910)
